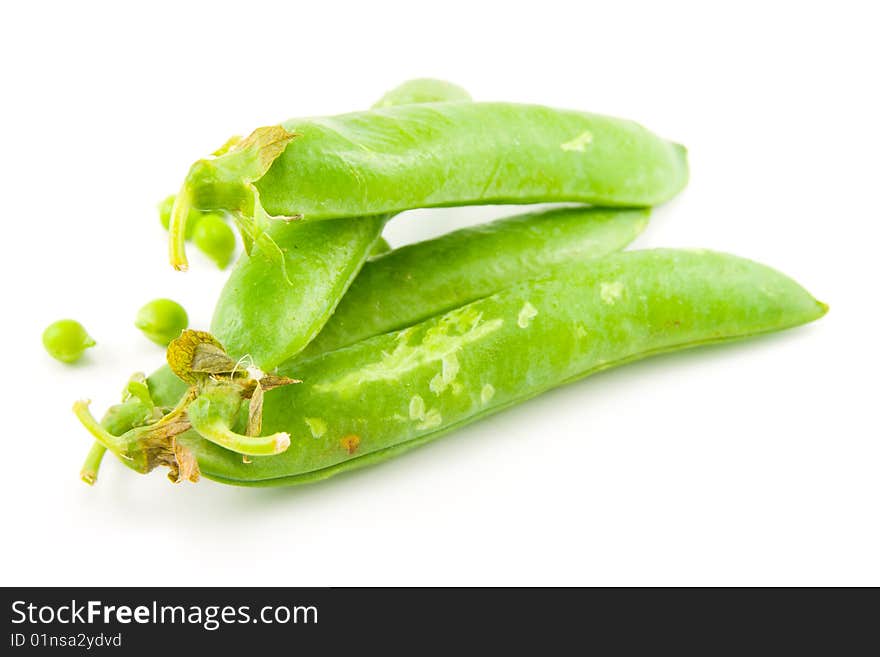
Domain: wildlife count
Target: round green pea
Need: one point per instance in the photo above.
(161, 320)
(165, 216)
(66, 340)
(215, 239)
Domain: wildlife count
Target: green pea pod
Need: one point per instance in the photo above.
(421, 280)
(269, 313)
(382, 396)
(387, 394)
(260, 315)
(438, 154)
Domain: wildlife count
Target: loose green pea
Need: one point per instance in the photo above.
(215, 239)
(161, 320)
(165, 216)
(66, 340)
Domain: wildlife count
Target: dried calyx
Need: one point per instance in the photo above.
(218, 388)
(226, 182)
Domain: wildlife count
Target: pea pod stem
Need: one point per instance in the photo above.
(143, 448)
(104, 437)
(180, 212)
(218, 432)
(137, 408)
(89, 471)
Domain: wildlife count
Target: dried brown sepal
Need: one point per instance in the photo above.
(182, 353)
(266, 144)
(211, 359)
(158, 446)
(186, 467)
(267, 382)
(270, 381)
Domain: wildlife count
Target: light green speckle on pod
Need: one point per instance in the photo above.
(316, 425)
(418, 411)
(579, 143)
(487, 393)
(455, 330)
(432, 419)
(450, 368)
(448, 371)
(489, 257)
(526, 313)
(417, 408)
(611, 292)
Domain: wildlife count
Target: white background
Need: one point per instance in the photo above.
(750, 464)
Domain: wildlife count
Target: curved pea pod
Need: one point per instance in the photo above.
(438, 154)
(414, 282)
(270, 313)
(382, 396)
